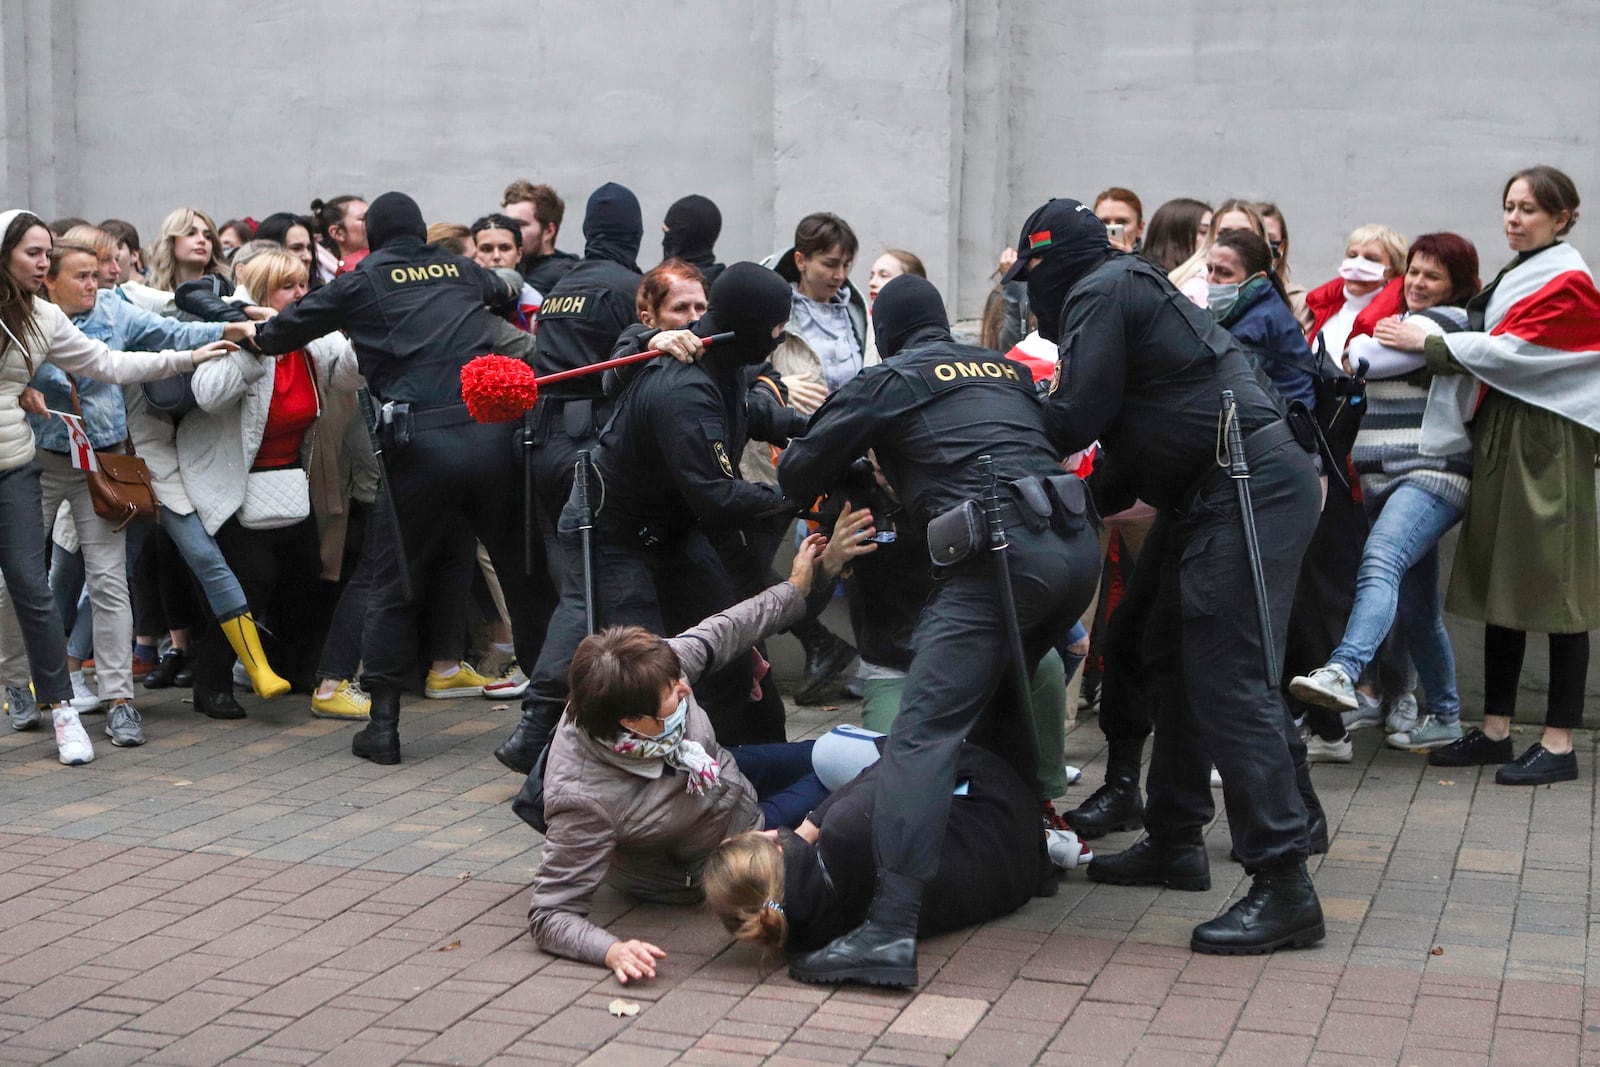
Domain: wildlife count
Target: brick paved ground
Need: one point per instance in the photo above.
(249, 893)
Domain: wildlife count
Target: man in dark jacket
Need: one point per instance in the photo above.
(666, 460)
(928, 412)
(416, 314)
(579, 322)
(690, 233)
(1142, 370)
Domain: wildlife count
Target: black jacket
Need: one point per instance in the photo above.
(415, 314)
(992, 862)
(543, 272)
(1142, 370)
(928, 412)
(770, 419)
(580, 321)
(668, 457)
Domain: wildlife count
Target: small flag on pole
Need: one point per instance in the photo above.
(82, 452)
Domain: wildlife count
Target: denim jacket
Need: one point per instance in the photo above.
(123, 326)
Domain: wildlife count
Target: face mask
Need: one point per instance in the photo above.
(1221, 298)
(672, 727)
(1362, 269)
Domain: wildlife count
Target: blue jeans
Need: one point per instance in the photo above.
(785, 784)
(1399, 576)
(200, 552)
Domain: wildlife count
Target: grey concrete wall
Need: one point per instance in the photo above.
(934, 125)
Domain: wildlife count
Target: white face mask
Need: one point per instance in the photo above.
(1362, 269)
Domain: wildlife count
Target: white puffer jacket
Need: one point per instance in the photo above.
(62, 343)
(218, 441)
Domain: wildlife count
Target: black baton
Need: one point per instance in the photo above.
(582, 472)
(998, 551)
(530, 517)
(385, 498)
(1239, 471)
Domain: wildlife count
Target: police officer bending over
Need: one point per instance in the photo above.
(928, 412)
(1142, 370)
(415, 315)
(666, 468)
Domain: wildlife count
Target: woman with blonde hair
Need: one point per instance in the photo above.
(799, 890)
(186, 249)
(241, 454)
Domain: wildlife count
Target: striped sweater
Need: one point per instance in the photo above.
(1387, 450)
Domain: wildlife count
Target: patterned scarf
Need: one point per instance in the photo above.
(676, 751)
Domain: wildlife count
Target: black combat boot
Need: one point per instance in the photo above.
(881, 951)
(1177, 863)
(217, 703)
(380, 740)
(519, 751)
(1117, 804)
(1280, 910)
(827, 656)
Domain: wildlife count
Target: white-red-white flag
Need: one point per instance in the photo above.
(80, 451)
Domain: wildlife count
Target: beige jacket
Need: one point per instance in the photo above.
(58, 341)
(634, 824)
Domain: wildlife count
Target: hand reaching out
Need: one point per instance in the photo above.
(852, 537)
(633, 959)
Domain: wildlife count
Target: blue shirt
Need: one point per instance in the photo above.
(124, 327)
(828, 329)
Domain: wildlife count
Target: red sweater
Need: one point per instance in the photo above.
(290, 415)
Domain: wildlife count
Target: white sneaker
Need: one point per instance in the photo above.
(1066, 850)
(84, 699)
(1326, 687)
(1320, 751)
(510, 684)
(1402, 715)
(72, 741)
(1368, 712)
(241, 678)
(1074, 774)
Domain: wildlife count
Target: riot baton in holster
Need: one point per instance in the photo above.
(530, 517)
(385, 498)
(582, 480)
(1239, 471)
(998, 549)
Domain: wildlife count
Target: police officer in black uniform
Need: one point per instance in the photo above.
(928, 412)
(579, 322)
(415, 315)
(1142, 370)
(665, 467)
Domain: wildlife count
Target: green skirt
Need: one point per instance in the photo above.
(1529, 555)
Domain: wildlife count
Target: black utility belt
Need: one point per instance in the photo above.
(399, 420)
(577, 417)
(1060, 502)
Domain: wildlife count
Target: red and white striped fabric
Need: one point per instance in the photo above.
(1541, 345)
(82, 453)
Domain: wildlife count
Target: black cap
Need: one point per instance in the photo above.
(1059, 222)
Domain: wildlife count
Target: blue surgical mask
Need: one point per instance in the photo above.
(1221, 298)
(675, 722)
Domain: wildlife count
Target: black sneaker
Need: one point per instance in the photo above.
(1539, 766)
(1473, 750)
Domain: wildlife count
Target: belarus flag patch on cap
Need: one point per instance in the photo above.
(1037, 241)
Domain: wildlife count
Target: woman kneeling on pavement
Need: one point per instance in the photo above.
(637, 792)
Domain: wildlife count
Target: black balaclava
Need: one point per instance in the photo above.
(693, 226)
(613, 226)
(750, 300)
(1071, 242)
(394, 217)
(908, 308)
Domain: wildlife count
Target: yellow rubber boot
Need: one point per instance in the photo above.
(246, 641)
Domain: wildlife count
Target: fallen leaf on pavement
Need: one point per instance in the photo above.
(623, 1008)
(1437, 950)
(451, 947)
(1447, 781)
(499, 707)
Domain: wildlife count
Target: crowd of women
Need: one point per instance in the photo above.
(1450, 401)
